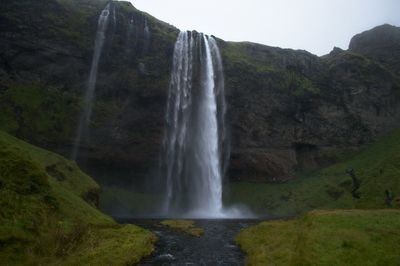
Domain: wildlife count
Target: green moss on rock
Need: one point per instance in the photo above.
(38, 112)
(45, 220)
(376, 167)
(185, 226)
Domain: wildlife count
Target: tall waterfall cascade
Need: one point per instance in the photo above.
(89, 95)
(195, 146)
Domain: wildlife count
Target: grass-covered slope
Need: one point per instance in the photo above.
(376, 171)
(340, 237)
(48, 217)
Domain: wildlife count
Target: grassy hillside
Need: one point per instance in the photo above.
(376, 168)
(48, 213)
(340, 237)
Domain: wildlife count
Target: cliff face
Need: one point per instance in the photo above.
(46, 53)
(381, 44)
(296, 111)
(287, 110)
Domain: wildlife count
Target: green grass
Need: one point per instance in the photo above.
(48, 214)
(339, 237)
(185, 226)
(238, 53)
(377, 167)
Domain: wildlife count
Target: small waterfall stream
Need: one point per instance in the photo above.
(89, 95)
(194, 152)
(130, 30)
(146, 37)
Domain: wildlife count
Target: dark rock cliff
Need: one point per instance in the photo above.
(291, 110)
(381, 44)
(288, 110)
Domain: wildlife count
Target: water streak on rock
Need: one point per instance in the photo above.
(89, 95)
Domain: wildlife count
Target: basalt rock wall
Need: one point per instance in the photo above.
(288, 110)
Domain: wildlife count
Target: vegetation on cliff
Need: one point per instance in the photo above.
(46, 50)
(48, 213)
(279, 100)
(37, 112)
(294, 110)
(367, 179)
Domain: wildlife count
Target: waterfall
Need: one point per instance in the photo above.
(114, 16)
(224, 144)
(89, 95)
(130, 29)
(146, 37)
(194, 159)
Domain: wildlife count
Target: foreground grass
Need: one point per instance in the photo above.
(376, 169)
(339, 237)
(185, 226)
(48, 214)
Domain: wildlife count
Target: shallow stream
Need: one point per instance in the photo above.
(215, 247)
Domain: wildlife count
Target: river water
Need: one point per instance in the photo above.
(215, 247)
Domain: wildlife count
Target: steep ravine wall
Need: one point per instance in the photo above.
(287, 110)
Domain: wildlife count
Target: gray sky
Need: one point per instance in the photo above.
(314, 25)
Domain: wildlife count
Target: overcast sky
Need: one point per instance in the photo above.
(313, 25)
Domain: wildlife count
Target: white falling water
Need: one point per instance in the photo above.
(192, 150)
(146, 37)
(207, 148)
(129, 32)
(114, 16)
(89, 95)
(177, 118)
(221, 105)
(146, 28)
